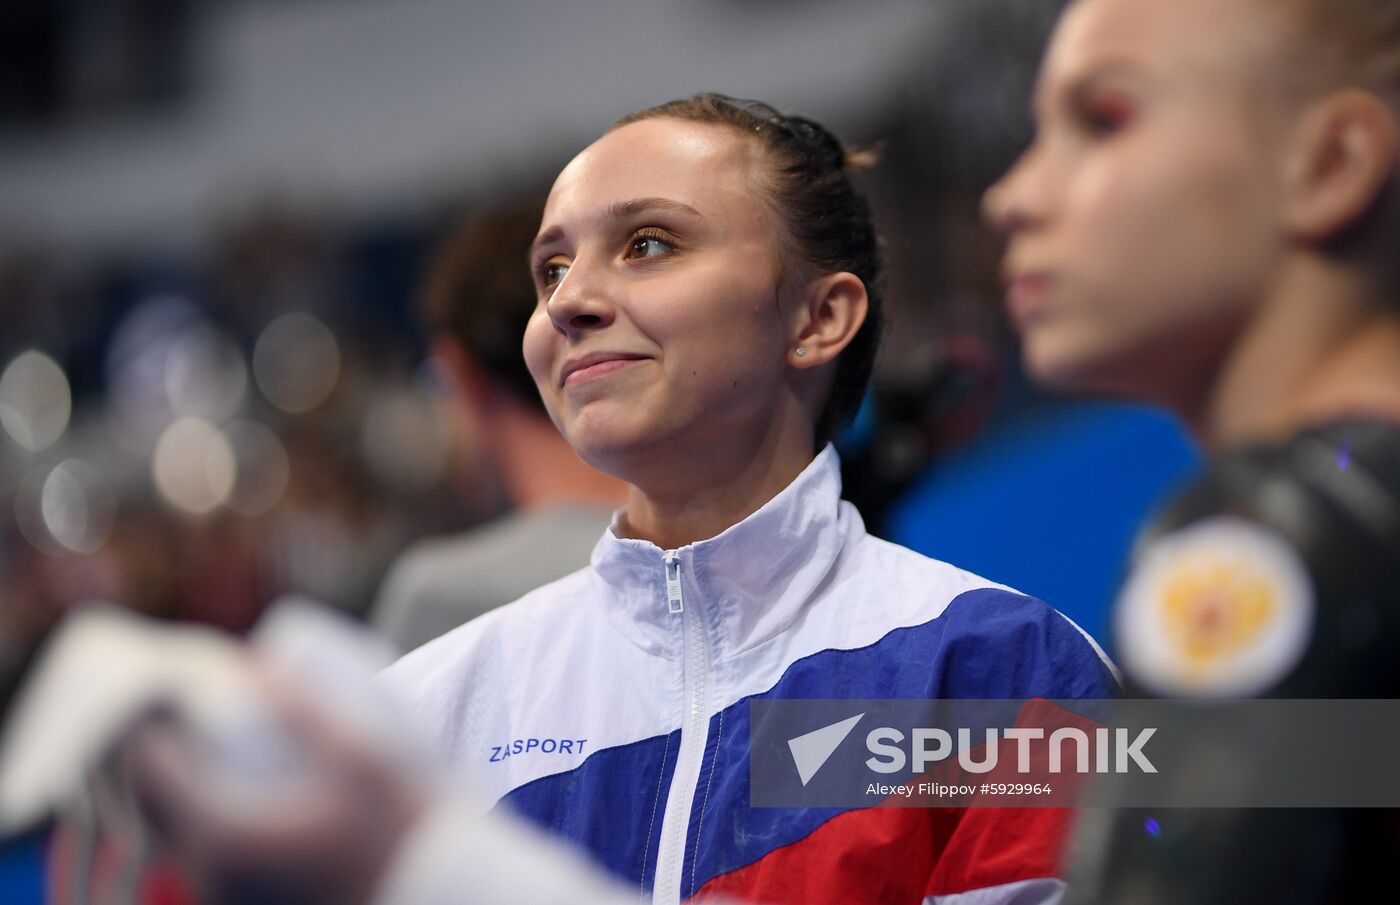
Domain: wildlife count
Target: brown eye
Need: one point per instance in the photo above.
(649, 245)
(552, 273)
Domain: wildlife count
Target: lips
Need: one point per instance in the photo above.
(577, 370)
(1026, 295)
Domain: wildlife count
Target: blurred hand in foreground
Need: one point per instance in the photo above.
(289, 808)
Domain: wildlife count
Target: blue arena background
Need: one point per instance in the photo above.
(22, 870)
(1048, 500)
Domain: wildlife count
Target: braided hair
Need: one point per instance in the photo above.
(829, 223)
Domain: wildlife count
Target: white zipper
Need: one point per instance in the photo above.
(675, 601)
(695, 727)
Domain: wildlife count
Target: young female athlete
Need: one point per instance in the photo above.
(709, 308)
(1207, 220)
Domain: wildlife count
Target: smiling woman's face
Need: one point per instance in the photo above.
(658, 267)
(1144, 222)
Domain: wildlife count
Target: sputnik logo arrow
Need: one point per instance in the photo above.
(811, 750)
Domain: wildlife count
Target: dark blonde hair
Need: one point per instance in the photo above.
(1357, 42)
(829, 222)
(1364, 36)
(479, 291)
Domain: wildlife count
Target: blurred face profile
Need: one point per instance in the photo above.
(1143, 222)
(657, 267)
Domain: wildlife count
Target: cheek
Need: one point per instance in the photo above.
(1185, 228)
(538, 346)
(1166, 245)
(728, 327)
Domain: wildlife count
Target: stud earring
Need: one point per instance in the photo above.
(799, 351)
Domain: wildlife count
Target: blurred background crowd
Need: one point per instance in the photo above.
(220, 224)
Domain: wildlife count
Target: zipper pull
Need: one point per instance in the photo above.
(674, 602)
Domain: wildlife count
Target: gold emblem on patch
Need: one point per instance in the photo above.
(1215, 608)
(1222, 607)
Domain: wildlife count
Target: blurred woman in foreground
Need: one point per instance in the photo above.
(1208, 220)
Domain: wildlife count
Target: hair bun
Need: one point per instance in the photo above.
(838, 155)
(861, 158)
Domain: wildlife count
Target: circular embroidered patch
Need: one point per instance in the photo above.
(1221, 608)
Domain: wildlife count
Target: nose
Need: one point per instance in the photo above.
(1015, 203)
(579, 303)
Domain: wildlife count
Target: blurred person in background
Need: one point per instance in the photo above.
(1207, 220)
(478, 298)
(708, 313)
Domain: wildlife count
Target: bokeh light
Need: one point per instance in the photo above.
(296, 362)
(262, 465)
(77, 506)
(404, 442)
(205, 376)
(35, 400)
(193, 466)
(139, 405)
(29, 511)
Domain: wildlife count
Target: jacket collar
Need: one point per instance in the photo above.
(747, 583)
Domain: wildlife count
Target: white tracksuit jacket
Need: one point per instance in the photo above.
(611, 707)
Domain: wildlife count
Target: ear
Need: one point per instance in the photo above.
(834, 307)
(1345, 156)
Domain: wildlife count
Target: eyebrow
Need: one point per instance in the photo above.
(1112, 66)
(620, 210)
(642, 205)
